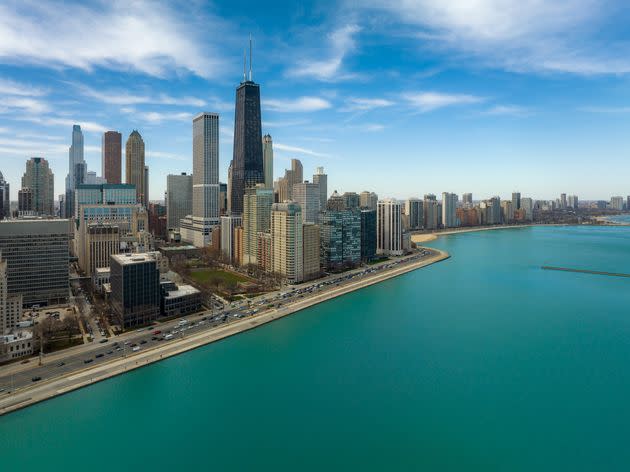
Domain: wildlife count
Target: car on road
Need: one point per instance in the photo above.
(156, 332)
(144, 341)
(99, 355)
(36, 379)
(110, 352)
(87, 361)
(136, 349)
(61, 364)
(25, 361)
(168, 336)
(103, 340)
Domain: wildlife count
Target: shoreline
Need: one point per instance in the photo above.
(75, 380)
(426, 237)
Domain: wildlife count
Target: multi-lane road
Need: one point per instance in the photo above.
(18, 377)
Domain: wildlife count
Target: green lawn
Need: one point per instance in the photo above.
(212, 276)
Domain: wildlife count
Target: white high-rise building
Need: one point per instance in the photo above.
(257, 203)
(368, 200)
(286, 241)
(616, 203)
(389, 241)
(10, 304)
(449, 210)
(268, 160)
(77, 168)
(527, 205)
(205, 215)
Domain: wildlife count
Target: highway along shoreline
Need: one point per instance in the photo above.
(59, 385)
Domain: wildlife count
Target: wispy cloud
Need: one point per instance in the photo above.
(89, 126)
(365, 104)
(120, 97)
(508, 110)
(164, 155)
(298, 150)
(329, 69)
(155, 38)
(429, 101)
(519, 35)
(301, 104)
(10, 87)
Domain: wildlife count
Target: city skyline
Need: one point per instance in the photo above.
(445, 98)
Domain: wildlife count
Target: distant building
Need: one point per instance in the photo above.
(310, 252)
(368, 234)
(321, 179)
(268, 160)
(25, 202)
(563, 201)
(308, 196)
(449, 207)
(507, 211)
(77, 170)
(389, 228)
(467, 200)
(351, 200)
(292, 176)
(104, 194)
(616, 203)
(111, 157)
(257, 203)
(40, 180)
(527, 205)
(135, 288)
(15, 345)
(134, 166)
(286, 240)
(516, 200)
(491, 211)
(228, 226)
(336, 202)
(468, 216)
(5, 198)
(431, 212)
(414, 209)
(263, 253)
(573, 202)
(36, 252)
(157, 220)
(179, 195)
(368, 200)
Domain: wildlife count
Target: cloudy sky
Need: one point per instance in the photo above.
(486, 96)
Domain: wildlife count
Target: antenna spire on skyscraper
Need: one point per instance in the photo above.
(244, 66)
(250, 57)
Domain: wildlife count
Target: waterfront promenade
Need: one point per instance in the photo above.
(78, 378)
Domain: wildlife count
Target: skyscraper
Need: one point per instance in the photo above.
(449, 207)
(178, 198)
(146, 186)
(5, 202)
(308, 197)
(257, 203)
(321, 179)
(389, 228)
(77, 169)
(268, 160)
(563, 201)
(467, 200)
(369, 200)
(134, 165)
(247, 161)
(286, 240)
(431, 213)
(516, 200)
(40, 179)
(205, 212)
(414, 209)
(111, 156)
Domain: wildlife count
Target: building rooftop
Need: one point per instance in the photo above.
(182, 290)
(179, 248)
(137, 258)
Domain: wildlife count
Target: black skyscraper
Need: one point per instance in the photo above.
(247, 162)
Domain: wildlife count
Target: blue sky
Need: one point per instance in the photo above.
(425, 96)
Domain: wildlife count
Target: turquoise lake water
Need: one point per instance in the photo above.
(482, 362)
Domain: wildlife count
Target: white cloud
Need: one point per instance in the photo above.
(365, 104)
(301, 104)
(298, 150)
(164, 155)
(28, 148)
(429, 101)
(151, 37)
(508, 110)
(519, 35)
(21, 104)
(156, 117)
(612, 110)
(340, 43)
(89, 126)
(10, 87)
(113, 97)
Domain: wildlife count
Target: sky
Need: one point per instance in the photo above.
(402, 98)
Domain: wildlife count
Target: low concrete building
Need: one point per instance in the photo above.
(15, 345)
(100, 277)
(179, 300)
